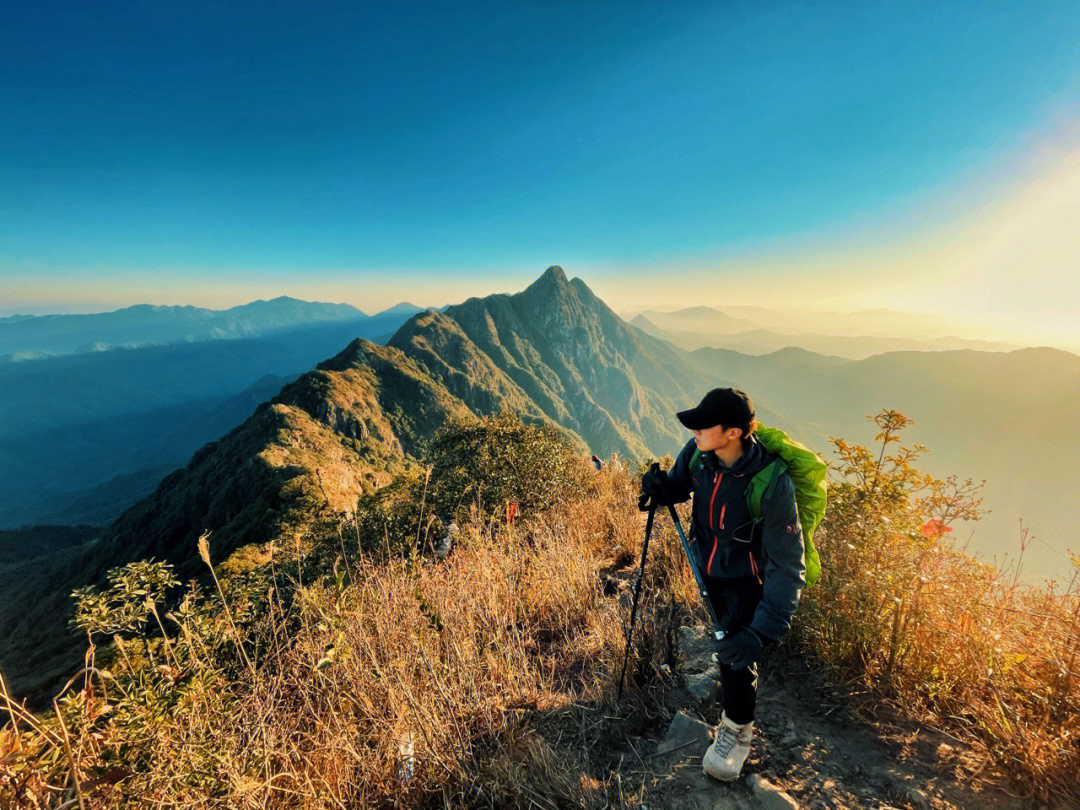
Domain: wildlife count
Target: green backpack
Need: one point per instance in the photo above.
(807, 472)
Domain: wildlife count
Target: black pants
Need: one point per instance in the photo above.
(734, 601)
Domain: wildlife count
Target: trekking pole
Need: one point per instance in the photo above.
(637, 592)
(718, 634)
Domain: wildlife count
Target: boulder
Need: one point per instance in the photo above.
(687, 737)
(770, 796)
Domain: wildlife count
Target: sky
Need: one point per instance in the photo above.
(916, 156)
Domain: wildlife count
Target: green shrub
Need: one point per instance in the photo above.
(500, 459)
(476, 466)
(126, 604)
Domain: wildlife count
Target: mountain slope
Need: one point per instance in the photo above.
(287, 472)
(331, 435)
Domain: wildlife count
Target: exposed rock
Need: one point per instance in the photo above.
(697, 662)
(686, 737)
(770, 796)
(917, 799)
(703, 686)
(442, 550)
(696, 649)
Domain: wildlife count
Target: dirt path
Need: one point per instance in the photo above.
(809, 744)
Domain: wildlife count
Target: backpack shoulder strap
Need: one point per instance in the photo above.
(761, 486)
(695, 459)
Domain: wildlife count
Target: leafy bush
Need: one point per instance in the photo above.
(391, 517)
(125, 606)
(476, 467)
(500, 459)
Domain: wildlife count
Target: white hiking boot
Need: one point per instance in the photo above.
(725, 757)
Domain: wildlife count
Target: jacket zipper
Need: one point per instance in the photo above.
(719, 478)
(754, 568)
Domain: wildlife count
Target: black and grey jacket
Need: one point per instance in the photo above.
(724, 540)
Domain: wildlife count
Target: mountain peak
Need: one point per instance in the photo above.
(552, 284)
(357, 353)
(402, 306)
(552, 279)
(554, 273)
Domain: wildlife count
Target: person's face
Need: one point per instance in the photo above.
(716, 438)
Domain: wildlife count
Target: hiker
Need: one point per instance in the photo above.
(753, 572)
(597, 462)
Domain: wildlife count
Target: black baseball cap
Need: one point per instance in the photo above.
(730, 407)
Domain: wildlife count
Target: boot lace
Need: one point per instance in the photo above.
(725, 739)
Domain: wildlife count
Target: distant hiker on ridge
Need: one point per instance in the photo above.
(752, 570)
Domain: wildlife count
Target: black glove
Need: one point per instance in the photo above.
(739, 650)
(653, 487)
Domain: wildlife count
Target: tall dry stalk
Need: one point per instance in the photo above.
(204, 553)
(70, 755)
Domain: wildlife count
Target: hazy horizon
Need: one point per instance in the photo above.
(970, 331)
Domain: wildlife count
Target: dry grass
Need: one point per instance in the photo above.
(459, 656)
(960, 646)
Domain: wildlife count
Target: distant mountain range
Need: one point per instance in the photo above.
(24, 337)
(552, 353)
(703, 327)
(878, 322)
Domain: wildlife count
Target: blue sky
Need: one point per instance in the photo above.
(369, 153)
